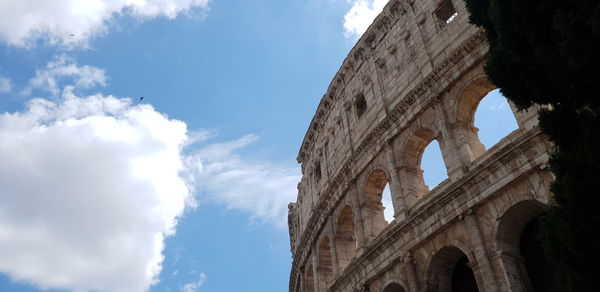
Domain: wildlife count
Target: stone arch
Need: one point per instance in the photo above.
(411, 155)
(520, 252)
(345, 237)
(373, 208)
(394, 287)
(325, 263)
(466, 106)
(450, 270)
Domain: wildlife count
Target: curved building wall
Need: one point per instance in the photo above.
(415, 76)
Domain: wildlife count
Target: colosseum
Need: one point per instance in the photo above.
(415, 76)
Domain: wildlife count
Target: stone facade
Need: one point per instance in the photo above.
(415, 76)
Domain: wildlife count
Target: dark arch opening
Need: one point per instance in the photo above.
(450, 272)
(463, 279)
(394, 287)
(539, 270)
(521, 252)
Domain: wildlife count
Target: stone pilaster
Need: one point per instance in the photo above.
(484, 265)
(411, 273)
(398, 201)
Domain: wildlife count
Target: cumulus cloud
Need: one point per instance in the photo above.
(92, 185)
(258, 188)
(361, 15)
(194, 286)
(5, 85)
(90, 188)
(65, 69)
(73, 22)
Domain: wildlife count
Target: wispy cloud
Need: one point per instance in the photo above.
(194, 286)
(258, 188)
(499, 106)
(71, 23)
(65, 69)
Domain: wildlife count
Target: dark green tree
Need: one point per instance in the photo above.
(547, 52)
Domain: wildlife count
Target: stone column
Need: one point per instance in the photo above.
(398, 201)
(454, 158)
(315, 265)
(484, 266)
(512, 274)
(302, 279)
(411, 273)
(333, 247)
(358, 218)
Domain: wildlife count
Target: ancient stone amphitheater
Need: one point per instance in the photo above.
(416, 76)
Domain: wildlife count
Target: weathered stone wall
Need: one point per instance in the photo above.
(415, 76)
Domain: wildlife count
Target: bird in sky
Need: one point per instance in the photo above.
(141, 98)
(72, 35)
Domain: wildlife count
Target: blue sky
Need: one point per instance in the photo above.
(186, 190)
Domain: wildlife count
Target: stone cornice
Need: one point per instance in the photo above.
(374, 141)
(356, 57)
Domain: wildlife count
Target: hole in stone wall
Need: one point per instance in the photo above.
(386, 200)
(318, 172)
(374, 207)
(446, 12)
(463, 278)
(394, 287)
(539, 269)
(494, 118)
(360, 104)
(432, 164)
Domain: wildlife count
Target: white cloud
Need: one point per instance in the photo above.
(5, 85)
(194, 286)
(361, 15)
(260, 189)
(90, 188)
(65, 69)
(73, 22)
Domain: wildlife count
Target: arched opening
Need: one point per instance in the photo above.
(539, 269)
(494, 119)
(463, 279)
(386, 200)
(521, 251)
(345, 237)
(393, 287)
(422, 156)
(325, 268)
(433, 166)
(450, 271)
(309, 279)
(373, 210)
(483, 116)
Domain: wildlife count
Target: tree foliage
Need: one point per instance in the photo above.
(547, 52)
